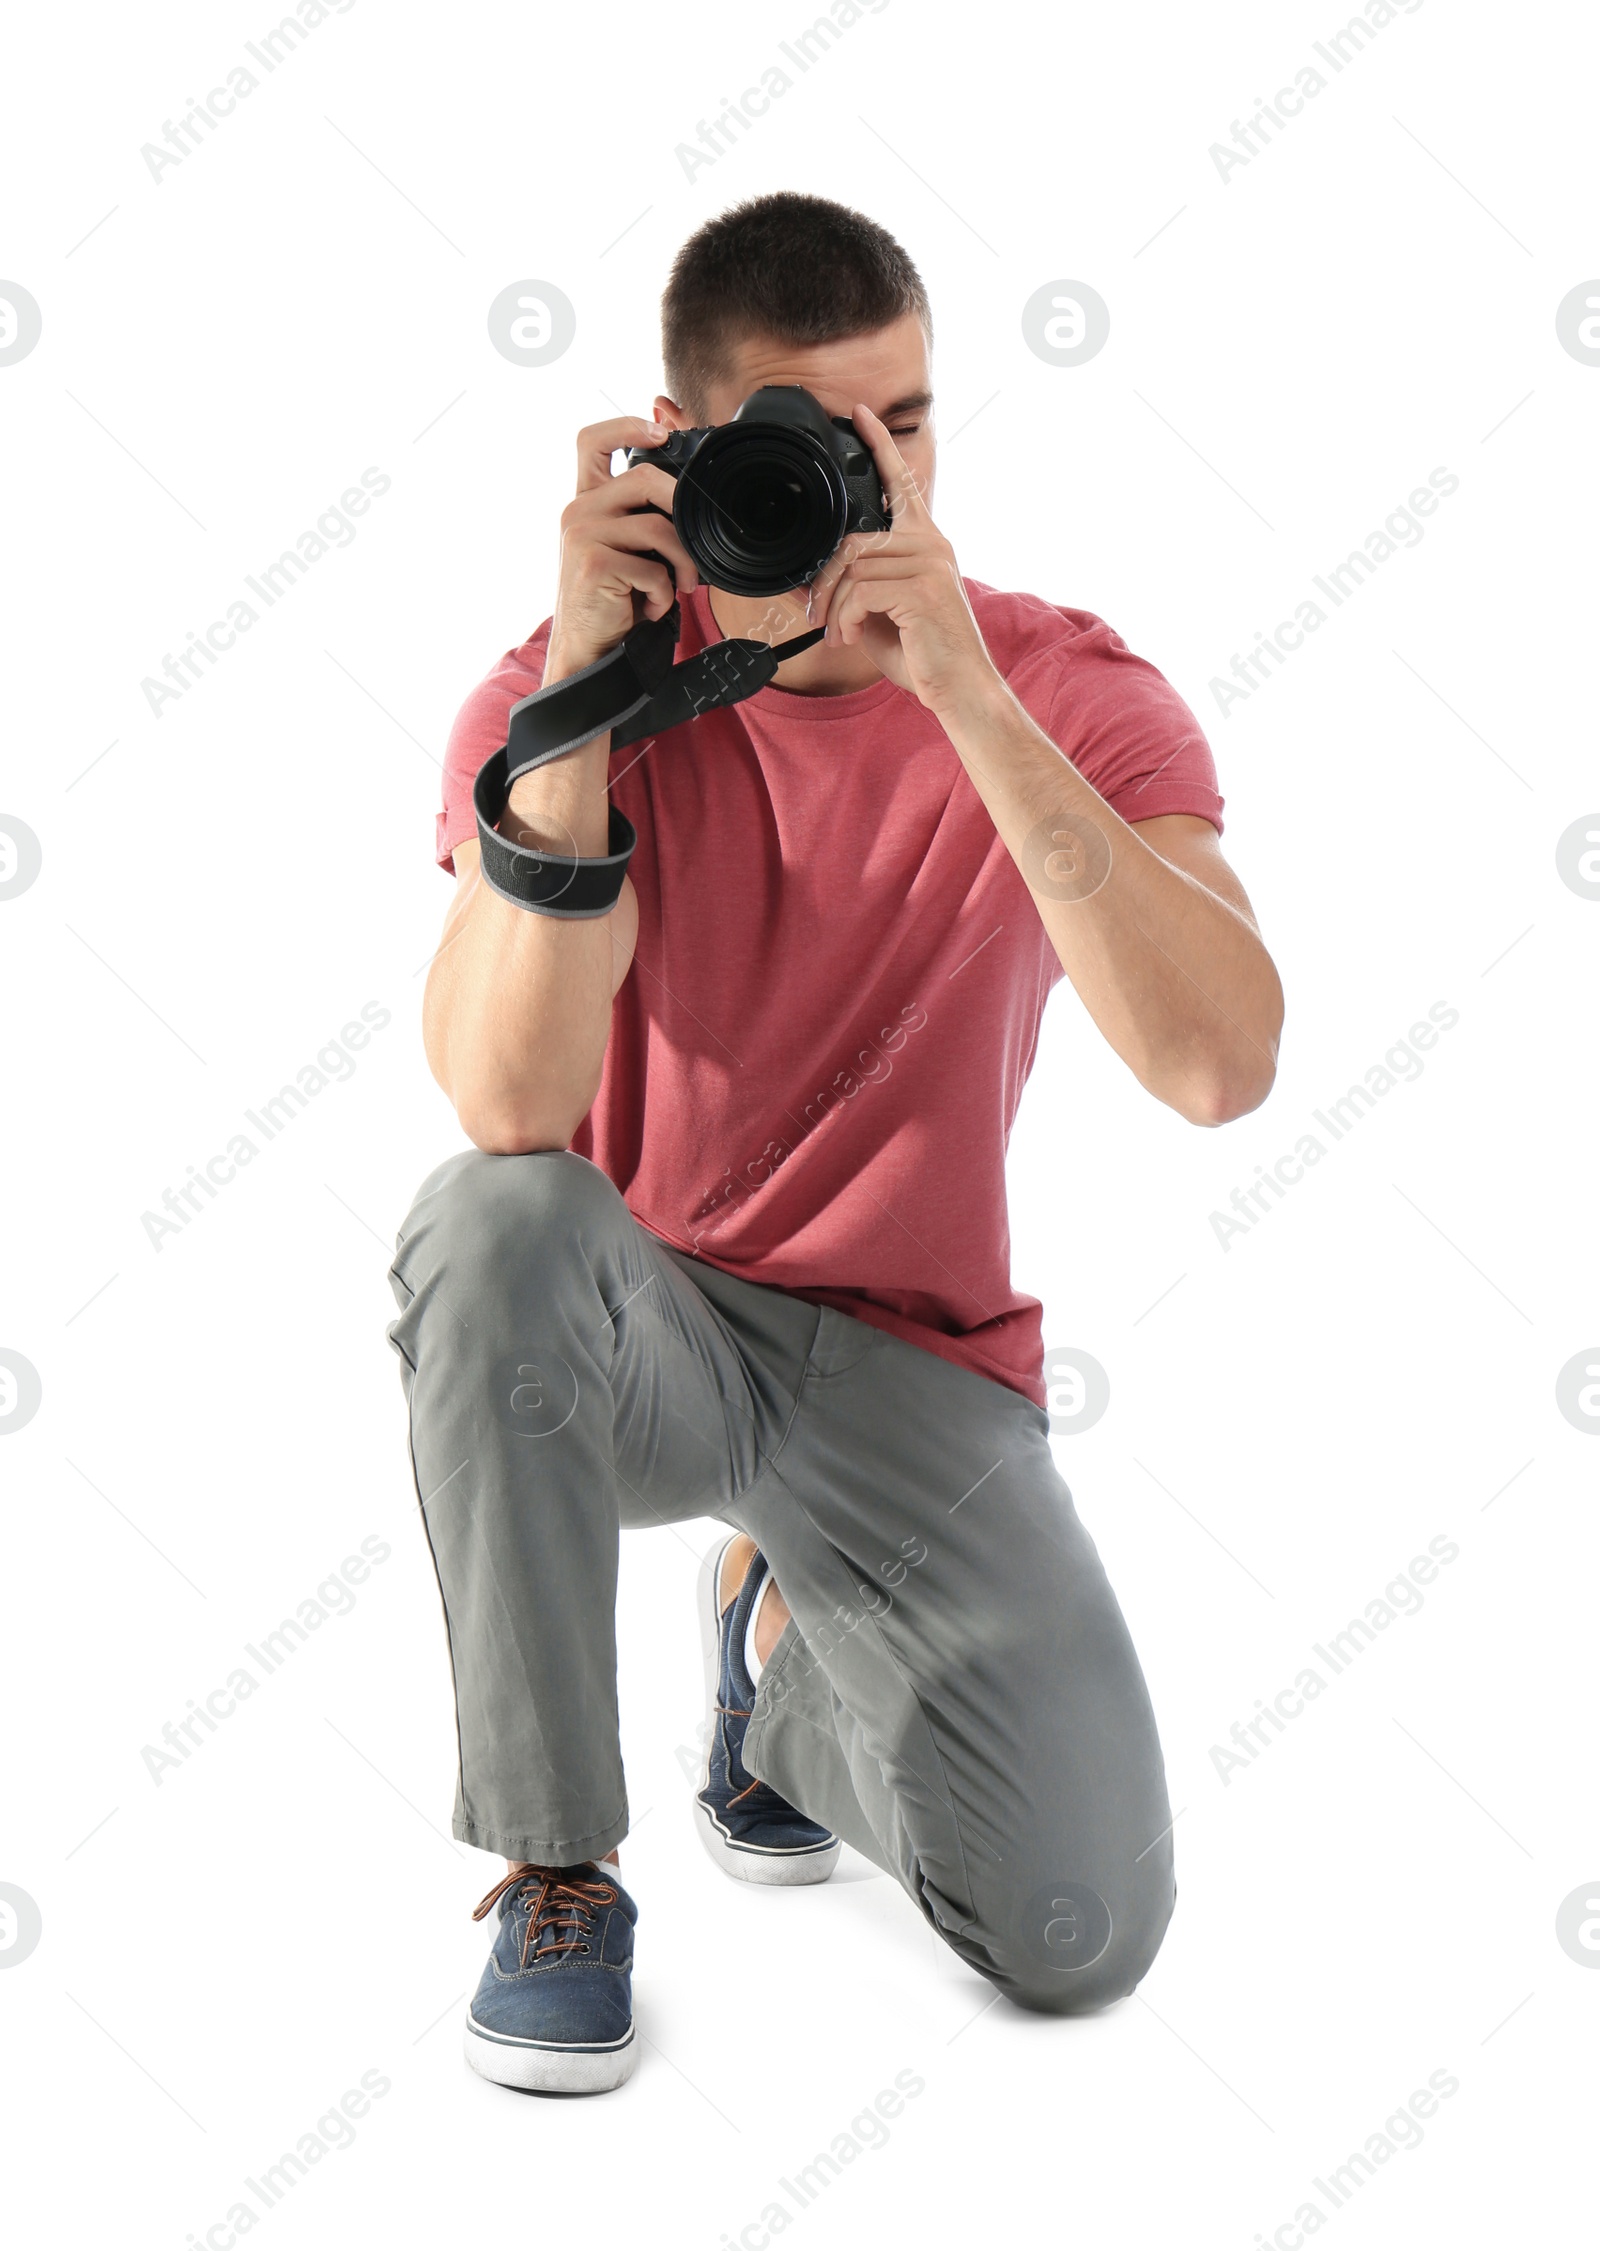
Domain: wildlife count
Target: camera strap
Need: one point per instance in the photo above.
(633, 691)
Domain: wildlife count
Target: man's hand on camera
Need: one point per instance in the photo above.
(898, 595)
(619, 562)
(609, 575)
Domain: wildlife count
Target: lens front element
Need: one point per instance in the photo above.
(760, 508)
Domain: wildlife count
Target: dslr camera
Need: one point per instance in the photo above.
(763, 500)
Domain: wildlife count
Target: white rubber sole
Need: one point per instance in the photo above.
(748, 1864)
(541, 2070)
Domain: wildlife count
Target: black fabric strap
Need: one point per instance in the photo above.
(630, 693)
(557, 883)
(725, 673)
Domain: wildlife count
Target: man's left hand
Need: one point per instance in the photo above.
(898, 594)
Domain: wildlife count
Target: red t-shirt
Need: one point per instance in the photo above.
(817, 1055)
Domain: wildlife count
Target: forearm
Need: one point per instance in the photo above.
(518, 1005)
(1175, 976)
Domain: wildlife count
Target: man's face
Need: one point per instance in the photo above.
(885, 368)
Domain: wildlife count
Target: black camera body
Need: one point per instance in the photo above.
(764, 500)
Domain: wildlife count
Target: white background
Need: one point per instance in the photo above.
(1374, 1898)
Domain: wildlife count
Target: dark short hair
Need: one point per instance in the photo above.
(796, 267)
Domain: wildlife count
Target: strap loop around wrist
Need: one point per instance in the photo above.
(631, 692)
(553, 883)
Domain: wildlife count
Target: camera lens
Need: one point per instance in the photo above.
(766, 500)
(760, 508)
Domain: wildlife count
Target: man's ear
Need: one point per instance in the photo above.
(668, 411)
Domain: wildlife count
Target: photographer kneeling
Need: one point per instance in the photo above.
(736, 999)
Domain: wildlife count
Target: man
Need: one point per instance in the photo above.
(733, 1240)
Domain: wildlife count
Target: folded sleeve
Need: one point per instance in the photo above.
(479, 731)
(1129, 732)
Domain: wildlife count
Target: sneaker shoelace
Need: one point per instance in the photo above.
(558, 1901)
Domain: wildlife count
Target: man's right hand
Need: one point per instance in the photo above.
(610, 572)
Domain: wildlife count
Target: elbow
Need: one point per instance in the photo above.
(511, 1136)
(1219, 1096)
(1225, 1081)
(514, 1129)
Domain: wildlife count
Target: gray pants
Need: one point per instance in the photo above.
(956, 1695)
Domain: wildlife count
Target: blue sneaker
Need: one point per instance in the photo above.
(553, 2013)
(749, 1831)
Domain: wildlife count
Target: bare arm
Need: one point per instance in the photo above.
(518, 1005)
(1148, 920)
